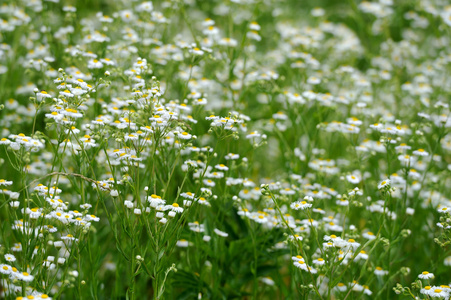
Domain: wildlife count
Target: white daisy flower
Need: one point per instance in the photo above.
(384, 184)
(221, 233)
(426, 275)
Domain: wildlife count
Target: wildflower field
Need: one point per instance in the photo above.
(225, 149)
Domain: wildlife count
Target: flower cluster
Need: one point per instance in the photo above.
(225, 149)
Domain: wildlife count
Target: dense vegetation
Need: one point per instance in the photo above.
(239, 149)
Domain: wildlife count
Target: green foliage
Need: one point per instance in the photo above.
(252, 149)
